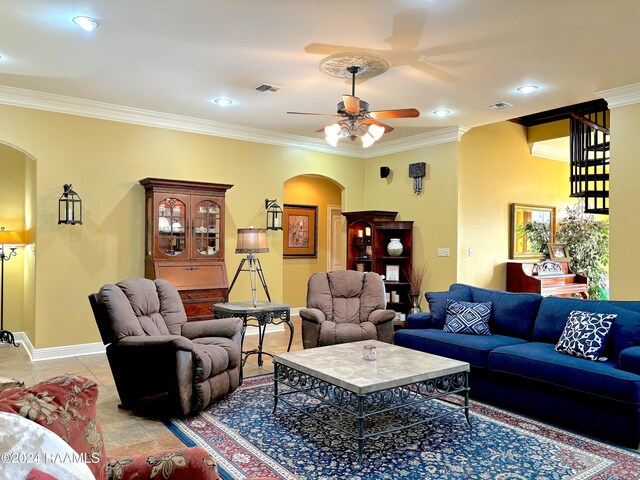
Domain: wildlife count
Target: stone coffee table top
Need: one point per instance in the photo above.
(343, 365)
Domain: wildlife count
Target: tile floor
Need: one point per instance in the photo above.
(124, 432)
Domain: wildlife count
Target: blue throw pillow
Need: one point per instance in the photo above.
(585, 334)
(467, 317)
(438, 304)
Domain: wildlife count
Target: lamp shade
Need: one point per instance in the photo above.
(9, 237)
(252, 240)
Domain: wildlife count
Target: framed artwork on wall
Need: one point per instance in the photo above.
(300, 231)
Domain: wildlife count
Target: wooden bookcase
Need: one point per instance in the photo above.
(369, 252)
(184, 241)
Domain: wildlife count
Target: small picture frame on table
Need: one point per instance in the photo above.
(392, 273)
(558, 252)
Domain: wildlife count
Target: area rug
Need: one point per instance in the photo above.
(247, 441)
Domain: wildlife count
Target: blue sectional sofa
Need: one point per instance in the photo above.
(517, 367)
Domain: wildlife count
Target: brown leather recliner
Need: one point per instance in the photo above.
(161, 364)
(345, 306)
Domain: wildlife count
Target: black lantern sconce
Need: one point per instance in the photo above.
(69, 207)
(274, 214)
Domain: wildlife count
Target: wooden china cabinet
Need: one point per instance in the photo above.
(368, 234)
(184, 241)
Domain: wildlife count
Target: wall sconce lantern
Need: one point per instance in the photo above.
(274, 215)
(69, 207)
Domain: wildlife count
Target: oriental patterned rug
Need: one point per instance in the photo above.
(247, 440)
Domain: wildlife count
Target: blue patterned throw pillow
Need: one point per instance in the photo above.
(467, 317)
(585, 334)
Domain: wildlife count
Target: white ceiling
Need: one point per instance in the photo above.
(176, 56)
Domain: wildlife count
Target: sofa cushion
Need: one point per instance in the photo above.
(467, 317)
(625, 331)
(66, 405)
(438, 304)
(473, 349)
(539, 361)
(513, 314)
(585, 335)
(554, 311)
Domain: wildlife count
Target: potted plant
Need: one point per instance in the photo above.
(587, 240)
(417, 281)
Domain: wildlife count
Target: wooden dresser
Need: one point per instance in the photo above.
(184, 241)
(548, 280)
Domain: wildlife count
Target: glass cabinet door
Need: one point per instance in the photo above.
(206, 228)
(172, 225)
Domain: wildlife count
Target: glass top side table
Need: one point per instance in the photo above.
(263, 314)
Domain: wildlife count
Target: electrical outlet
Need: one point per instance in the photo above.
(443, 252)
(470, 252)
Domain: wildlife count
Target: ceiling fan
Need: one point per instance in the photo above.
(357, 120)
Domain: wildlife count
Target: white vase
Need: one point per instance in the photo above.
(395, 247)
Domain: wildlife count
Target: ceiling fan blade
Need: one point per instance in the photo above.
(386, 127)
(306, 113)
(351, 104)
(400, 113)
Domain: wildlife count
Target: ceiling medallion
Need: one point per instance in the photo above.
(370, 64)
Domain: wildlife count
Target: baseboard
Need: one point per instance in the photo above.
(49, 353)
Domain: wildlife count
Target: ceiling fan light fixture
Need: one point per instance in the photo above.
(376, 131)
(367, 140)
(332, 130)
(332, 140)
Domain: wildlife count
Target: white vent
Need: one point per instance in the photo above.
(265, 87)
(500, 106)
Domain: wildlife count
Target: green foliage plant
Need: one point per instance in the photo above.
(587, 240)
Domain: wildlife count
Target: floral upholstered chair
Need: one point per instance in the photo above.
(66, 406)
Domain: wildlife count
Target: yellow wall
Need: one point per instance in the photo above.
(434, 212)
(104, 161)
(497, 169)
(306, 190)
(625, 197)
(29, 283)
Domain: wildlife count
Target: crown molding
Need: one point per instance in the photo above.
(552, 153)
(621, 96)
(20, 97)
(434, 137)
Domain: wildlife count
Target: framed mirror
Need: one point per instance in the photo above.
(532, 228)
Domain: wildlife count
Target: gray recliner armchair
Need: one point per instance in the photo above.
(161, 364)
(345, 306)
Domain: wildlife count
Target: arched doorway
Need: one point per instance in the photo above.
(18, 213)
(326, 194)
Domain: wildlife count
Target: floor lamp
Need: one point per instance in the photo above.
(8, 241)
(252, 240)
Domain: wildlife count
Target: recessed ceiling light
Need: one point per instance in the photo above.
(223, 102)
(527, 89)
(88, 24)
(441, 112)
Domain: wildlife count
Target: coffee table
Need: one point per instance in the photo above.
(338, 376)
